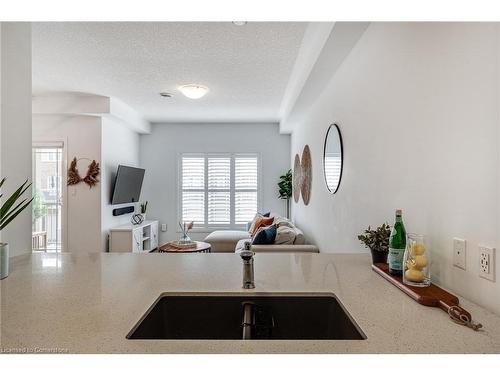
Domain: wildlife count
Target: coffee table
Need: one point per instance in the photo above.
(201, 247)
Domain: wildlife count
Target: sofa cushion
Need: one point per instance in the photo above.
(283, 222)
(224, 241)
(278, 248)
(285, 249)
(265, 236)
(259, 223)
(299, 237)
(251, 224)
(284, 236)
(240, 245)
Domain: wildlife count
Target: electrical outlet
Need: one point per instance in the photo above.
(164, 227)
(459, 252)
(487, 263)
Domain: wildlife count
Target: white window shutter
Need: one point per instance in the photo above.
(193, 207)
(193, 173)
(219, 190)
(193, 185)
(219, 196)
(246, 184)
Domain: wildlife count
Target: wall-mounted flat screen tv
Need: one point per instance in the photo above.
(128, 184)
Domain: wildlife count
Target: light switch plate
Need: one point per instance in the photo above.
(459, 252)
(486, 262)
(164, 227)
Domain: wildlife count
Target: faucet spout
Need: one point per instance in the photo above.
(248, 273)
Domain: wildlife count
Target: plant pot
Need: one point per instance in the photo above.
(4, 260)
(379, 256)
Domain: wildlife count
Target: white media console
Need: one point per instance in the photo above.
(141, 238)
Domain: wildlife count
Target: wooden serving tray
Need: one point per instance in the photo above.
(429, 296)
(432, 295)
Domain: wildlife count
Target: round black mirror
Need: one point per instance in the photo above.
(332, 158)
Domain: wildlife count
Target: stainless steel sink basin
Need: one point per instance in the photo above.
(237, 316)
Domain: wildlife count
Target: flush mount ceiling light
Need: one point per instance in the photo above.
(193, 91)
(240, 23)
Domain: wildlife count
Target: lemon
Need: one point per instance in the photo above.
(417, 249)
(414, 275)
(420, 261)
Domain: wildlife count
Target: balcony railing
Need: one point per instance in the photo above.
(46, 234)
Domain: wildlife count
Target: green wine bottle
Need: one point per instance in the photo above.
(397, 245)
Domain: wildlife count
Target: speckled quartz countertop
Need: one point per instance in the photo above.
(88, 303)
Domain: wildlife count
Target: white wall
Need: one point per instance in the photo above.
(417, 105)
(159, 156)
(82, 138)
(15, 138)
(1, 175)
(120, 145)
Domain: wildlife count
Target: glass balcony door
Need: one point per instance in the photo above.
(47, 224)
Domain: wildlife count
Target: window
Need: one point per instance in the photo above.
(53, 183)
(50, 155)
(219, 190)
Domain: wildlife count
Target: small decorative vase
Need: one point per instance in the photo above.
(4, 260)
(137, 219)
(184, 239)
(143, 216)
(379, 256)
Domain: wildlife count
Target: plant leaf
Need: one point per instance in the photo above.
(13, 198)
(11, 212)
(14, 215)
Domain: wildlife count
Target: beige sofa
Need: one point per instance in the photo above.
(229, 241)
(224, 241)
(293, 248)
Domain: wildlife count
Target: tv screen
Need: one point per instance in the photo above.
(128, 183)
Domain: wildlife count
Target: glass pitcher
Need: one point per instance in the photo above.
(416, 261)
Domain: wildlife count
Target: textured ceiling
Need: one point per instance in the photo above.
(246, 67)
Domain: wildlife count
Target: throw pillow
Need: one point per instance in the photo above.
(284, 236)
(257, 215)
(260, 222)
(265, 236)
(281, 221)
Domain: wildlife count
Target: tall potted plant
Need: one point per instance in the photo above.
(9, 210)
(285, 190)
(377, 240)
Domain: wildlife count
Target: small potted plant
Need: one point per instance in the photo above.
(9, 210)
(377, 240)
(144, 207)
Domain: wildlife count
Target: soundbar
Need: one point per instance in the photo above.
(123, 210)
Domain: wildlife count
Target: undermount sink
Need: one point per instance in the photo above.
(238, 316)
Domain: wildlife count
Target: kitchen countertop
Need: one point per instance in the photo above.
(88, 303)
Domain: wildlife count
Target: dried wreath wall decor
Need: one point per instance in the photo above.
(92, 173)
(73, 175)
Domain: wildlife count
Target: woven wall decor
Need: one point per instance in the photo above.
(306, 173)
(297, 178)
(90, 178)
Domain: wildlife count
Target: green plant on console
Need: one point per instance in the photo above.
(285, 189)
(11, 207)
(144, 207)
(285, 185)
(376, 239)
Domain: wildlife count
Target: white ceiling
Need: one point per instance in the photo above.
(247, 68)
